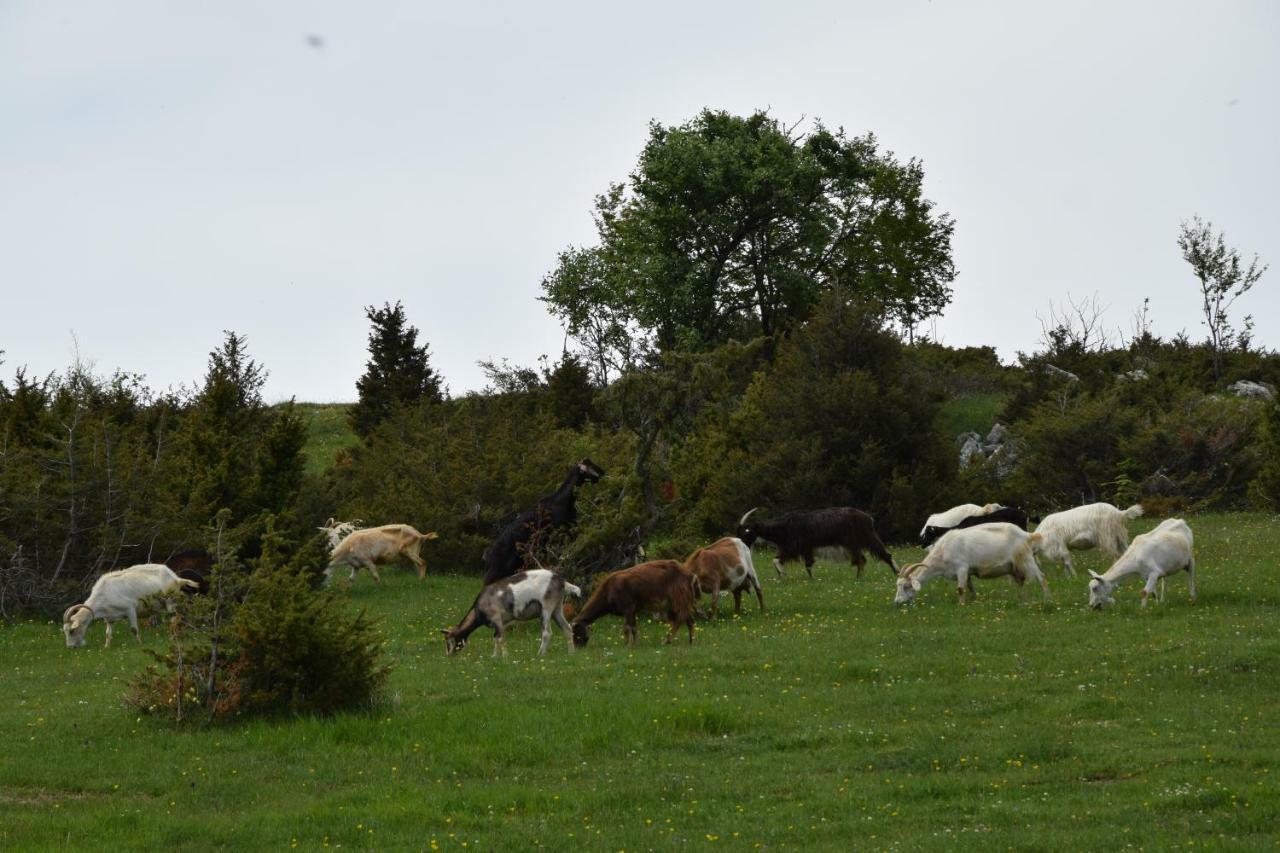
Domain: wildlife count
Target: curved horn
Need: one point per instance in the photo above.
(743, 520)
(66, 614)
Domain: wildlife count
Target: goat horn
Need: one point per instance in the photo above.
(743, 520)
(66, 614)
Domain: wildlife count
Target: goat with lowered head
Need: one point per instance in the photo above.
(1007, 514)
(662, 586)
(115, 596)
(985, 551)
(1098, 525)
(538, 593)
(515, 546)
(336, 530)
(1152, 556)
(801, 532)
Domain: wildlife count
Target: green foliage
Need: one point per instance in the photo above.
(1265, 489)
(398, 372)
(732, 227)
(264, 644)
(328, 434)
(844, 416)
(1223, 279)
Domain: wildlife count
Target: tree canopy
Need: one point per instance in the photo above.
(731, 227)
(398, 372)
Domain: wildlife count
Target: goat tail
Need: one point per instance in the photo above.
(1133, 512)
(425, 536)
(575, 591)
(188, 583)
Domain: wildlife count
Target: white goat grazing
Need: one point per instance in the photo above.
(1099, 525)
(955, 515)
(1155, 555)
(366, 548)
(115, 596)
(987, 551)
(537, 593)
(339, 530)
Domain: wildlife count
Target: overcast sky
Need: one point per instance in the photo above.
(169, 170)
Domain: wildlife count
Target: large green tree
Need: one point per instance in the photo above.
(398, 373)
(732, 226)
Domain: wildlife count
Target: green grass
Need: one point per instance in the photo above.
(834, 721)
(971, 413)
(327, 432)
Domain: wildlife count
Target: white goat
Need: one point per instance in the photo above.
(115, 596)
(537, 593)
(339, 530)
(987, 551)
(1155, 555)
(1099, 525)
(955, 515)
(366, 548)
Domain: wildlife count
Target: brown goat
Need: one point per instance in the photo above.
(366, 548)
(662, 586)
(724, 565)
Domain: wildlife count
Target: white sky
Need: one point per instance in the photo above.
(169, 170)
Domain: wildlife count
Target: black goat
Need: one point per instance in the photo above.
(800, 532)
(515, 546)
(194, 564)
(1010, 514)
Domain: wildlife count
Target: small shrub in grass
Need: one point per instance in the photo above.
(275, 646)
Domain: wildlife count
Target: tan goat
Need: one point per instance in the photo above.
(375, 545)
(725, 565)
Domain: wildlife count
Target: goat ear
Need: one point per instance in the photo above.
(915, 584)
(444, 631)
(1095, 575)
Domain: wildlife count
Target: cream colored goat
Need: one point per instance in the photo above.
(985, 551)
(373, 545)
(1098, 525)
(1153, 556)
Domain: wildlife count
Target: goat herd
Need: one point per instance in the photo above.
(964, 542)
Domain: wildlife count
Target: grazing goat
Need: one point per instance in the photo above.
(1007, 514)
(524, 595)
(800, 532)
(725, 565)
(662, 586)
(339, 530)
(952, 517)
(986, 551)
(519, 540)
(194, 564)
(1098, 525)
(375, 545)
(1155, 555)
(115, 596)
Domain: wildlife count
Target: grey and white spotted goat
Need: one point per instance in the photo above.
(537, 593)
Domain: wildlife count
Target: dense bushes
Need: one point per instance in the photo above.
(267, 642)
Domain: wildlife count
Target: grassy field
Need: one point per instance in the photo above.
(833, 721)
(327, 433)
(970, 413)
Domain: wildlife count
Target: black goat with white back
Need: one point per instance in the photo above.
(1007, 514)
(515, 546)
(801, 532)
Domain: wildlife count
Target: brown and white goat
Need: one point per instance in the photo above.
(724, 565)
(366, 548)
(662, 586)
(537, 593)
